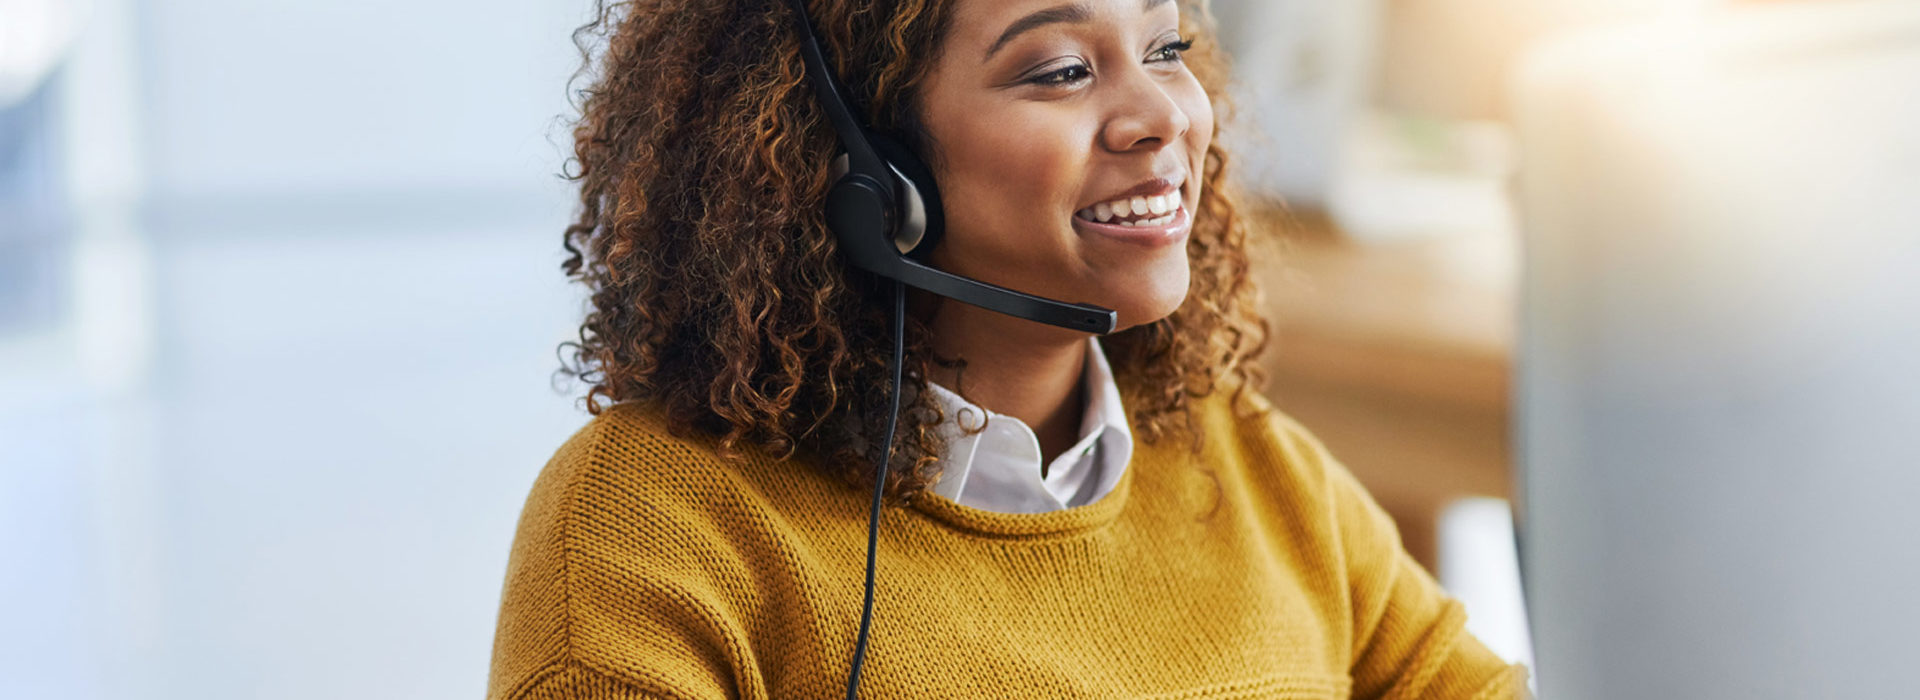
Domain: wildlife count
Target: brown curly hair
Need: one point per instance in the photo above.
(717, 291)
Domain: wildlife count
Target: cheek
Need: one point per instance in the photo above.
(997, 182)
(1199, 111)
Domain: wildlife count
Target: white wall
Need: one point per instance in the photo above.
(278, 444)
(307, 99)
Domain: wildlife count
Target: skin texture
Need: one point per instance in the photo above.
(1026, 133)
(718, 295)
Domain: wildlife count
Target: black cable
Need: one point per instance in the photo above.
(880, 487)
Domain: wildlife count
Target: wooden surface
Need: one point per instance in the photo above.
(1396, 354)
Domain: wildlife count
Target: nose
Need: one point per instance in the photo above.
(1144, 115)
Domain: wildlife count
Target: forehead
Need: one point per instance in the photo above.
(980, 24)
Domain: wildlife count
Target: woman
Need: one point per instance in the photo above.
(1069, 516)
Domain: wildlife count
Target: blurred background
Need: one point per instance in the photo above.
(279, 300)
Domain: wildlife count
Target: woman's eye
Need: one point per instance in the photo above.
(1172, 51)
(1079, 71)
(1064, 76)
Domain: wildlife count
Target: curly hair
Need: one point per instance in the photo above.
(719, 294)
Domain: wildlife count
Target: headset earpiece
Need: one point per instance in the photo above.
(922, 220)
(915, 220)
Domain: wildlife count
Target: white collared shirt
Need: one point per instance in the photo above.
(999, 468)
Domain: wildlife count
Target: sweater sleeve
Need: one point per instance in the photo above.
(570, 680)
(1410, 638)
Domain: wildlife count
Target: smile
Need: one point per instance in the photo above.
(1148, 229)
(1156, 210)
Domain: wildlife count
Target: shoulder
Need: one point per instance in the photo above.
(641, 500)
(622, 482)
(627, 476)
(631, 437)
(1283, 464)
(635, 555)
(631, 450)
(1246, 427)
(626, 501)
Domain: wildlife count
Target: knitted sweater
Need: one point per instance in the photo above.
(647, 567)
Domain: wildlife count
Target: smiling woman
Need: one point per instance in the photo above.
(719, 291)
(1121, 516)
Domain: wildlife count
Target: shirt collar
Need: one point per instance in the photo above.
(999, 468)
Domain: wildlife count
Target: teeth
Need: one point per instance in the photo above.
(1131, 212)
(1161, 221)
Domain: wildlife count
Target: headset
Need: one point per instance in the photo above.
(885, 210)
(885, 194)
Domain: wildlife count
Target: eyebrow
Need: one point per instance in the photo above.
(1074, 13)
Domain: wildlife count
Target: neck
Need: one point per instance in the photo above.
(1017, 368)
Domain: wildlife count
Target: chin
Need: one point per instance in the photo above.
(1151, 300)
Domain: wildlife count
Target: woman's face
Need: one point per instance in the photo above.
(1069, 139)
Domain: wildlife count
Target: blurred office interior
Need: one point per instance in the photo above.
(280, 298)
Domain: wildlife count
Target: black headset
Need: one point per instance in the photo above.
(885, 210)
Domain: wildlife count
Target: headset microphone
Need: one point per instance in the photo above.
(885, 210)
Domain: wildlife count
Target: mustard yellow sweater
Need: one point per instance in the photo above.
(646, 567)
